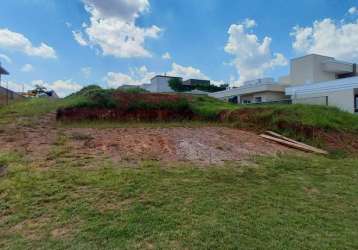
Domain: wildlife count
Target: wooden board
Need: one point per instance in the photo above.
(296, 145)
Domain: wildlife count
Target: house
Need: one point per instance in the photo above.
(256, 91)
(323, 80)
(313, 79)
(7, 95)
(196, 82)
(160, 84)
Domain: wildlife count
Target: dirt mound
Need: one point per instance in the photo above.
(260, 120)
(125, 100)
(133, 107)
(80, 114)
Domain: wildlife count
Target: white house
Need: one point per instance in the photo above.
(160, 84)
(313, 79)
(322, 80)
(256, 91)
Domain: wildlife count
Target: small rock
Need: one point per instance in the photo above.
(3, 170)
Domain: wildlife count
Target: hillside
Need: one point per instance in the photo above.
(197, 182)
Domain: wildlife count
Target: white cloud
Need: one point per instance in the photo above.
(186, 72)
(27, 68)
(78, 36)
(327, 37)
(127, 10)
(252, 57)
(353, 10)
(137, 76)
(61, 87)
(5, 58)
(18, 42)
(249, 23)
(166, 56)
(86, 72)
(113, 28)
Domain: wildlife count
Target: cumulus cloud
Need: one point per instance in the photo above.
(186, 72)
(61, 87)
(5, 58)
(353, 10)
(166, 56)
(78, 36)
(114, 30)
(15, 41)
(127, 10)
(252, 58)
(136, 76)
(27, 68)
(328, 37)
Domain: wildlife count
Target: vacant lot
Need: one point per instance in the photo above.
(165, 186)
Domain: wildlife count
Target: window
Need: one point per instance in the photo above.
(356, 103)
(246, 101)
(258, 99)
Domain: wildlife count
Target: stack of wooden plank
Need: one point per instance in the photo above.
(275, 137)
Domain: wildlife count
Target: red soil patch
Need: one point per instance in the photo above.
(126, 111)
(80, 114)
(207, 145)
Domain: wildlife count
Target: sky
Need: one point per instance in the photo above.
(65, 45)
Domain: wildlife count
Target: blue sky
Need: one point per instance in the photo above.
(124, 41)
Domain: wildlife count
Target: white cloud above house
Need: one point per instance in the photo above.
(353, 10)
(136, 76)
(113, 28)
(252, 57)
(27, 68)
(327, 37)
(166, 56)
(10, 40)
(187, 72)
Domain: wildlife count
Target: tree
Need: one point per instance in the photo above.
(177, 85)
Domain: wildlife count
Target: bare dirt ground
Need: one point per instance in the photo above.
(207, 145)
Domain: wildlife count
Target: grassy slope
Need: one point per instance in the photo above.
(279, 203)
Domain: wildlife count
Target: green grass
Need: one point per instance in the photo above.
(33, 108)
(328, 118)
(278, 203)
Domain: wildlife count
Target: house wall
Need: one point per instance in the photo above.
(309, 69)
(160, 85)
(343, 99)
(8, 95)
(266, 96)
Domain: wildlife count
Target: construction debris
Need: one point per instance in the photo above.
(272, 136)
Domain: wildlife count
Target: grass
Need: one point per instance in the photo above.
(33, 108)
(327, 118)
(277, 203)
(78, 202)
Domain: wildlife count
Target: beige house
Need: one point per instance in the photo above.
(257, 91)
(323, 80)
(313, 79)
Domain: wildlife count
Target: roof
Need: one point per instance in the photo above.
(324, 87)
(197, 92)
(175, 77)
(3, 71)
(250, 89)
